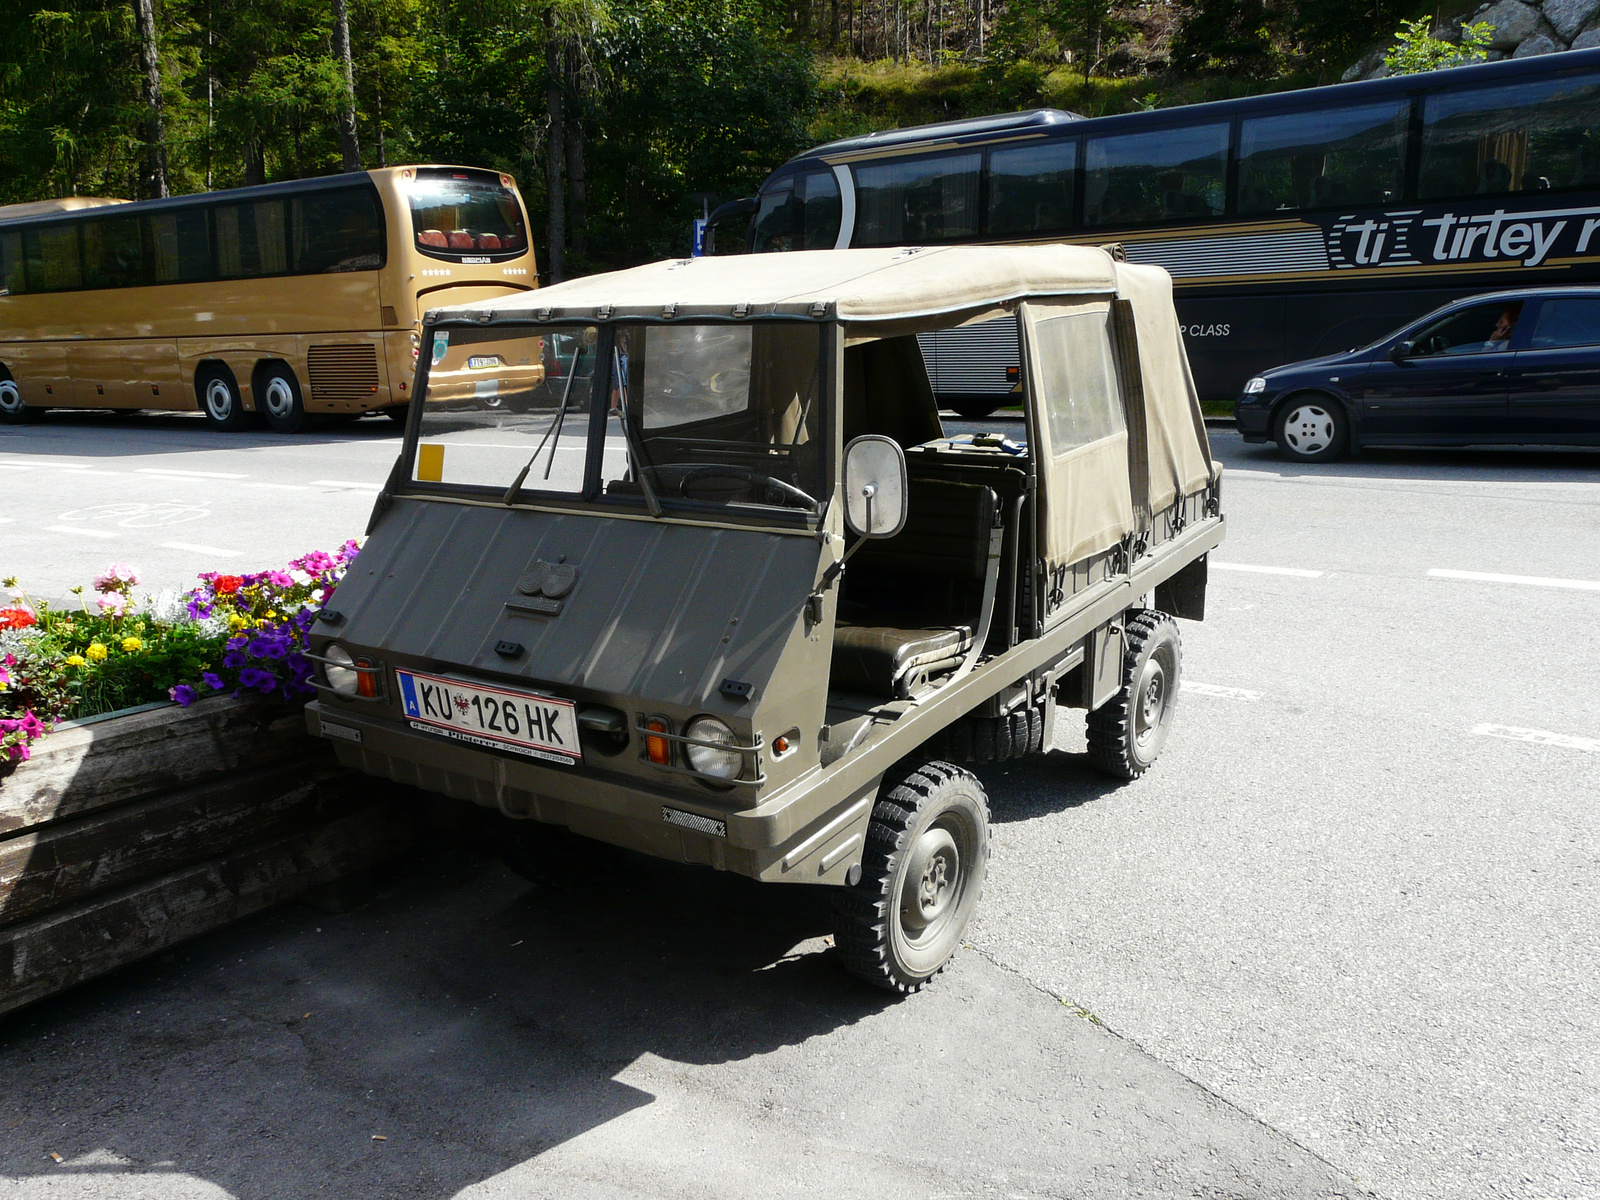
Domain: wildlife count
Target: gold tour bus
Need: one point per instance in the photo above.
(276, 302)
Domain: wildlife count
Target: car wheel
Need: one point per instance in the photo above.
(1312, 429)
(12, 410)
(1127, 732)
(280, 402)
(975, 410)
(922, 874)
(220, 400)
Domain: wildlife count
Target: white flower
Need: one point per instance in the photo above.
(167, 606)
(215, 624)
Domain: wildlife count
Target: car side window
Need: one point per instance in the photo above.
(1570, 322)
(1481, 329)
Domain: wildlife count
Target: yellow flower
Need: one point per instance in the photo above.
(96, 652)
(130, 644)
(236, 622)
(76, 660)
(272, 612)
(261, 623)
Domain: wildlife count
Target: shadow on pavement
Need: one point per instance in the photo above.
(1042, 784)
(469, 1019)
(166, 432)
(1556, 465)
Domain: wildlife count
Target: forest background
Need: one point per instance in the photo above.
(621, 119)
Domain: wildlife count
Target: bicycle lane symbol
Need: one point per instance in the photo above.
(130, 515)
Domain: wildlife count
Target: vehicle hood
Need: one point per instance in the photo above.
(1347, 358)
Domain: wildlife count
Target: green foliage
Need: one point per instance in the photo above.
(1416, 49)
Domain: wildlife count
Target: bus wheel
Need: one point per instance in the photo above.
(280, 400)
(220, 400)
(1127, 732)
(397, 412)
(975, 410)
(921, 876)
(1312, 428)
(12, 409)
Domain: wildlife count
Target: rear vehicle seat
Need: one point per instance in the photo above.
(899, 622)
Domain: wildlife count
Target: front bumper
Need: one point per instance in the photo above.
(800, 839)
(1253, 418)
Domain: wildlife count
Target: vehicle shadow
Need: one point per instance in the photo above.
(1042, 784)
(83, 433)
(1405, 464)
(460, 1023)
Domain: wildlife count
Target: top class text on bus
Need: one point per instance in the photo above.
(281, 301)
(1294, 224)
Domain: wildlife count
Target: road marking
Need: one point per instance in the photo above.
(199, 549)
(345, 483)
(1542, 737)
(188, 474)
(1587, 585)
(1297, 572)
(1216, 689)
(94, 533)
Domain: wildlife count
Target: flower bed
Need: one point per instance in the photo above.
(233, 634)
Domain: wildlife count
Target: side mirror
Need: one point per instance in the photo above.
(875, 499)
(1401, 351)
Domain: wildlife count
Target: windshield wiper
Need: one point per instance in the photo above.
(634, 451)
(554, 432)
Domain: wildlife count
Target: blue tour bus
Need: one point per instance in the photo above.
(1294, 224)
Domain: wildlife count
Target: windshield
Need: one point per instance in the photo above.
(466, 216)
(720, 414)
(692, 417)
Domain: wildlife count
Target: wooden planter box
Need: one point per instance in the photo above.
(126, 834)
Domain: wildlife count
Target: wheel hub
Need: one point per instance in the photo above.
(932, 876)
(10, 397)
(1308, 429)
(280, 400)
(219, 399)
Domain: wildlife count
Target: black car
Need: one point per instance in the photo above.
(1507, 368)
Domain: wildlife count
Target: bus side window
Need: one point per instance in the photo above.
(180, 243)
(1320, 159)
(113, 253)
(53, 261)
(1173, 174)
(909, 203)
(12, 280)
(1030, 187)
(338, 231)
(1522, 137)
(251, 240)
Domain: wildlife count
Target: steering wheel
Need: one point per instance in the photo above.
(773, 491)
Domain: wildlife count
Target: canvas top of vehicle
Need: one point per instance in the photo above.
(680, 558)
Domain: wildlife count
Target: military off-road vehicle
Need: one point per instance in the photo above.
(724, 591)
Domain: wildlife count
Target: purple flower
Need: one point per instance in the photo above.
(279, 579)
(233, 660)
(212, 680)
(254, 677)
(182, 693)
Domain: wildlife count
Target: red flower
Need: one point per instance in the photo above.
(226, 585)
(16, 618)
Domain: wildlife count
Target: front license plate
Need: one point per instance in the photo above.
(523, 722)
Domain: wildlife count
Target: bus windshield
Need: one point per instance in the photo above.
(466, 216)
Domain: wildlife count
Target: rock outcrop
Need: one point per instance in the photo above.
(1521, 30)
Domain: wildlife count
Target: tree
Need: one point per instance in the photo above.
(155, 177)
(349, 143)
(1416, 49)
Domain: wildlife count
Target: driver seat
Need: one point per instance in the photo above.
(888, 640)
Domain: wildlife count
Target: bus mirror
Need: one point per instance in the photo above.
(1401, 351)
(875, 497)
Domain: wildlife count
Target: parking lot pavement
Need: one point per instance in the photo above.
(1354, 902)
(658, 1031)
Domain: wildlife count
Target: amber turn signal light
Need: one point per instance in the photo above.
(366, 679)
(655, 747)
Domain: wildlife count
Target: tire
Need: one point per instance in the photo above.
(1127, 732)
(220, 400)
(397, 413)
(545, 855)
(278, 399)
(993, 739)
(12, 410)
(975, 410)
(922, 875)
(1312, 428)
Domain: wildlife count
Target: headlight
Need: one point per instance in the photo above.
(1255, 385)
(343, 678)
(708, 760)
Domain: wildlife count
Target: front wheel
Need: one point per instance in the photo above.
(280, 400)
(220, 400)
(1127, 732)
(1312, 429)
(921, 877)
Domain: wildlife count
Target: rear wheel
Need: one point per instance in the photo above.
(1312, 429)
(12, 410)
(280, 402)
(1127, 732)
(220, 400)
(976, 409)
(922, 874)
(397, 413)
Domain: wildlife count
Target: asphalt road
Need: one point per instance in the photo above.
(1342, 937)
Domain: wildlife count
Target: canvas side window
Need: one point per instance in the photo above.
(1077, 382)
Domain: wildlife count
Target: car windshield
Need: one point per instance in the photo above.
(694, 415)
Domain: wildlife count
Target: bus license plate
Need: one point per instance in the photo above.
(523, 722)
